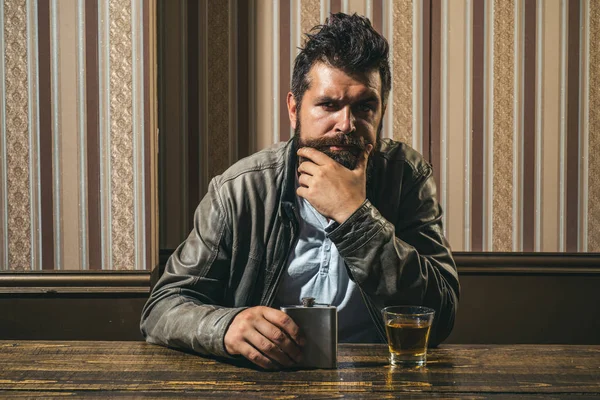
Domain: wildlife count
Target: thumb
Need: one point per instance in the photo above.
(364, 157)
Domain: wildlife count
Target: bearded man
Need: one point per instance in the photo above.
(336, 213)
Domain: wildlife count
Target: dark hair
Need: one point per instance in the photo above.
(346, 42)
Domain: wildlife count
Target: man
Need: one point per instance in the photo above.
(336, 213)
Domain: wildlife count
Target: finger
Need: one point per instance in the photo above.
(302, 192)
(308, 167)
(285, 323)
(276, 343)
(270, 349)
(255, 356)
(304, 180)
(314, 155)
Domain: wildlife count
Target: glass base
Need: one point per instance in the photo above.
(407, 361)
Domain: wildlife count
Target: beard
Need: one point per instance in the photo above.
(347, 157)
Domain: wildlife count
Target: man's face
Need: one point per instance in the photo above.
(340, 113)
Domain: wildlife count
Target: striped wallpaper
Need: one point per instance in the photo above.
(500, 95)
(77, 188)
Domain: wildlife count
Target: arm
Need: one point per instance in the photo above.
(405, 263)
(185, 307)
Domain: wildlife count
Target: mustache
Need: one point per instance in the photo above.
(339, 140)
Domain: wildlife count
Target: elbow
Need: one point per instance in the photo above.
(444, 323)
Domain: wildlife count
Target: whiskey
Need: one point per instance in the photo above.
(408, 330)
(408, 340)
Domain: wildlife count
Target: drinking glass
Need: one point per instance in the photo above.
(408, 329)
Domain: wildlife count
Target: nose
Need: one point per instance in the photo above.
(345, 121)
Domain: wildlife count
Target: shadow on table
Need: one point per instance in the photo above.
(361, 364)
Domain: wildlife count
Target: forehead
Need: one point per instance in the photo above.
(325, 79)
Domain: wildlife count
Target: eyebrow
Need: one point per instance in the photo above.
(369, 99)
(327, 99)
(330, 99)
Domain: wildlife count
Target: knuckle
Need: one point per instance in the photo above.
(243, 325)
(267, 346)
(294, 331)
(278, 336)
(245, 316)
(255, 357)
(235, 336)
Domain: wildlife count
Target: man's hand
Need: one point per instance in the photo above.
(266, 336)
(332, 189)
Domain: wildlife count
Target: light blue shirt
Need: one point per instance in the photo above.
(316, 269)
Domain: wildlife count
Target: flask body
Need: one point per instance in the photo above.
(319, 326)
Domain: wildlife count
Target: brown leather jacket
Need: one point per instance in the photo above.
(247, 224)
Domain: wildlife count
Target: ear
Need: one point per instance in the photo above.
(292, 109)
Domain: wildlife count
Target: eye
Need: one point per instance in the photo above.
(329, 106)
(365, 107)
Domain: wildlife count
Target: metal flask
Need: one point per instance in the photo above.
(318, 323)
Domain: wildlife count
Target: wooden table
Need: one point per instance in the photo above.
(135, 369)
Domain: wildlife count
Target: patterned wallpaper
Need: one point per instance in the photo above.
(19, 247)
(500, 95)
(77, 145)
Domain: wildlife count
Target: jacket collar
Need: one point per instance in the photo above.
(288, 193)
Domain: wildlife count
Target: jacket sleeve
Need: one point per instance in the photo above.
(407, 262)
(183, 311)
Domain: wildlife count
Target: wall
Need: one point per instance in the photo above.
(77, 144)
(473, 81)
(504, 299)
(500, 96)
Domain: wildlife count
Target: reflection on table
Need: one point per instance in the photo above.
(130, 369)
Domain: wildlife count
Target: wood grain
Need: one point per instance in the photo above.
(126, 369)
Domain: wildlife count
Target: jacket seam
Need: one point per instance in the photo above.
(224, 180)
(424, 170)
(425, 174)
(222, 227)
(219, 186)
(417, 172)
(234, 245)
(352, 248)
